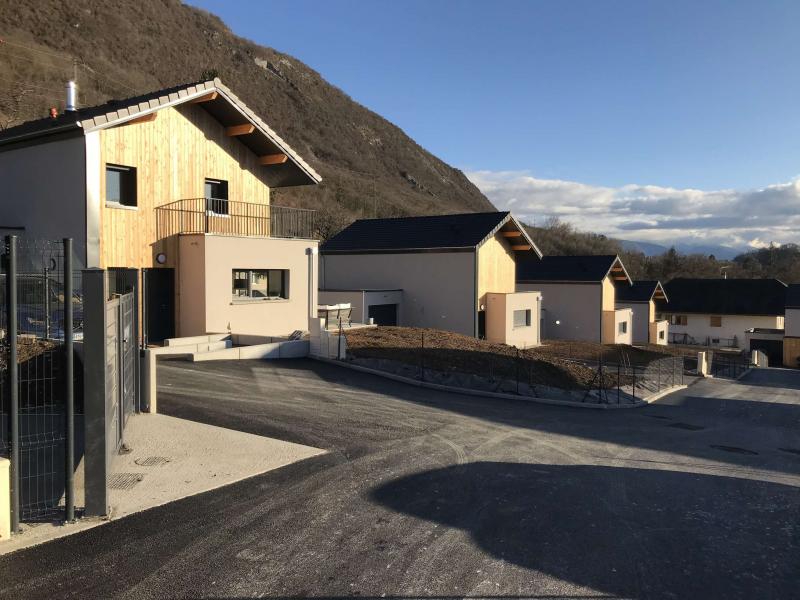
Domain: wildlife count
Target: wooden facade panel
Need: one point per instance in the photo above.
(173, 155)
(791, 352)
(496, 268)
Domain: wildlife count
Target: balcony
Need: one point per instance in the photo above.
(229, 217)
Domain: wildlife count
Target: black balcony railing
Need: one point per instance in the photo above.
(229, 217)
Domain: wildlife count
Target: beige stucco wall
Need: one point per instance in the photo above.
(500, 318)
(698, 326)
(659, 332)
(641, 320)
(44, 191)
(570, 311)
(210, 307)
(438, 287)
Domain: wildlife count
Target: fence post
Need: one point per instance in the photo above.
(619, 381)
(339, 345)
(96, 417)
(13, 374)
(516, 364)
(47, 303)
(69, 398)
(422, 357)
(633, 370)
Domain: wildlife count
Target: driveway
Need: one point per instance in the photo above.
(428, 494)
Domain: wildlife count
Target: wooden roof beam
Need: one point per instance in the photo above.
(240, 129)
(273, 159)
(149, 118)
(206, 98)
(510, 234)
(521, 247)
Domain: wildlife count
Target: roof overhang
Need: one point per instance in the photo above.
(283, 166)
(659, 293)
(222, 104)
(519, 239)
(618, 272)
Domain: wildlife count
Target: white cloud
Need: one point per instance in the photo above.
(735, 218)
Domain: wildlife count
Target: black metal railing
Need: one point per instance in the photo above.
(230, 217)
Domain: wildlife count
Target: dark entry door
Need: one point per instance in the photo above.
(159, 305)
(772, 348)
(383, 314)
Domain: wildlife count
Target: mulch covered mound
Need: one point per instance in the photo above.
(27, 348)
(611, 353)
(447, 351)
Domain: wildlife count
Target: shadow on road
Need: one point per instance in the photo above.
(628, 532)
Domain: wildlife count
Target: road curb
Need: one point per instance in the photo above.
(502, 396)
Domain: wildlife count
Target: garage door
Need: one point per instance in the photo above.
(383, 314)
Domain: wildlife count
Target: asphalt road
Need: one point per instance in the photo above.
(427, 494)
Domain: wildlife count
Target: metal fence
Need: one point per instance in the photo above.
(609, 377)
(229, 217)
(727, 365)
(40, 316)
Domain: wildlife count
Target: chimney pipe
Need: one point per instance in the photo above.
(72, 97)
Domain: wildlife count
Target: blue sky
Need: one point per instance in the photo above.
(607, 95)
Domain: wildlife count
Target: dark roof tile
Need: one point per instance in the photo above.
(725, 296)
(566, 268)
(415, 233)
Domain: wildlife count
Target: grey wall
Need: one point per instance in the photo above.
(44, 190)
(641, 320)
(577, 306)
(438, 287)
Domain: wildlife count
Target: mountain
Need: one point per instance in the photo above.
(369, 166)
(651, 249)
(646, 248)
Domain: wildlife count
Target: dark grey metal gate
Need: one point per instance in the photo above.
(41, 312)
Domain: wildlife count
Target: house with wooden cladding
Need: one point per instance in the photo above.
(174, 187)
(791, 339)
(579, 297)
(641, 298)
(449, 272)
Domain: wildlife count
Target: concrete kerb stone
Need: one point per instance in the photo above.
(485, 394)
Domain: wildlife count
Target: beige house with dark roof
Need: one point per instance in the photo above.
(176, 185)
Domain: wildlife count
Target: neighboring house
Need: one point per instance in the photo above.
(579, 297)
(719, 312)
(176, 185)
(449, 272)
(641, 299)
(791, 340)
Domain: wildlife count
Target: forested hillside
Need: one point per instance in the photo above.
(115, 49)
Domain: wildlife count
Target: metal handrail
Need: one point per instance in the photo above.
(235, 218)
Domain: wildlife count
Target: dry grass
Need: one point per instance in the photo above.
(447, 351)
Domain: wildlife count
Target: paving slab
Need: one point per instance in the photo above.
(170, 459)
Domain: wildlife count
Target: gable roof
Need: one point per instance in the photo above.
(793, 296)
(218, 100)
(725, 296)
(461, 232)
(641, 291)
(572, 269)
